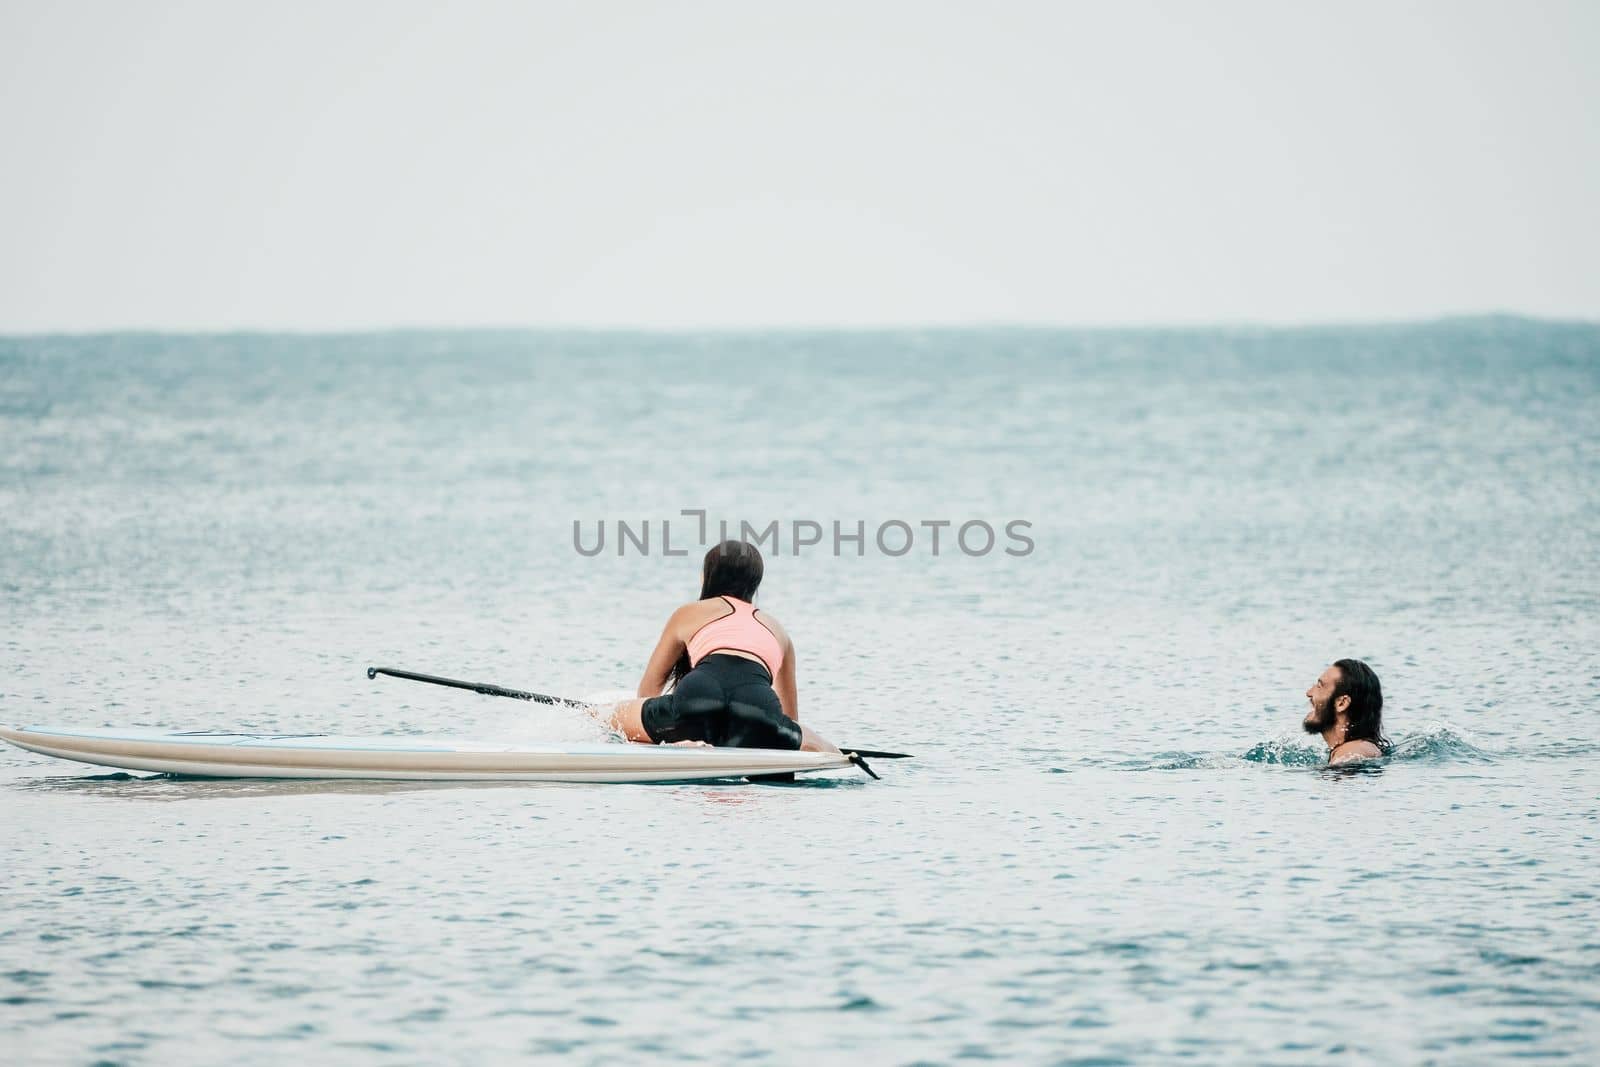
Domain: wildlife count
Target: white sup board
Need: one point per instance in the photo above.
(218, 755)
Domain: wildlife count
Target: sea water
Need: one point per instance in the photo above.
(1114, 844)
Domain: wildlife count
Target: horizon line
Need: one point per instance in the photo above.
(1218, 325)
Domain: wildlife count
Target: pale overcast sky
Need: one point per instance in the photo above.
(344, 164)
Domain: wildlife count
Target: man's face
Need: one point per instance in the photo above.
(1322, 715)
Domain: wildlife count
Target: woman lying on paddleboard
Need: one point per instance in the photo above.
(731, 668)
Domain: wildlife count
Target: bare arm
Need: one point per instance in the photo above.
(788, 692)
(666, 653)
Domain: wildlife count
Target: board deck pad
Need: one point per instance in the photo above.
(413, 758)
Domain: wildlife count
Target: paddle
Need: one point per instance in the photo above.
(491, 690)
(486, 688)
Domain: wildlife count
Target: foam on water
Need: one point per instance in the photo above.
(1436, 742)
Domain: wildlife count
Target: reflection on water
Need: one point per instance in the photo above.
(197, 787)
(1353, 769)
(193, 787)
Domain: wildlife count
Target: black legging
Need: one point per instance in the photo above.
(726, 701)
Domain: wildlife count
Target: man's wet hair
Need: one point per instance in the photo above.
(1364, 716)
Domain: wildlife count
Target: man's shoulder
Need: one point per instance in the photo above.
(1354, 750)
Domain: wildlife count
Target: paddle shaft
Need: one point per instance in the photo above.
(486, 688)
(491, 690)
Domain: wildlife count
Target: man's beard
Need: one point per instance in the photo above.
(1321, 719)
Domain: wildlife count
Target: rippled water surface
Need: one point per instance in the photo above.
(1113, 845)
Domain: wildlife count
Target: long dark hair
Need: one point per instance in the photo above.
(733, 568)
(1364, 716)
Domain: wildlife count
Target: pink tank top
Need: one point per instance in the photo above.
(740, 632)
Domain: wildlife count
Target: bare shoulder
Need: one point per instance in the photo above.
(712, 605)
(1351, 751)
(697, 613)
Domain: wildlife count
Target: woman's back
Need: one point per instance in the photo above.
(734, 626)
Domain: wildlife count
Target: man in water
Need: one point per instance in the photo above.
(1347, 710)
